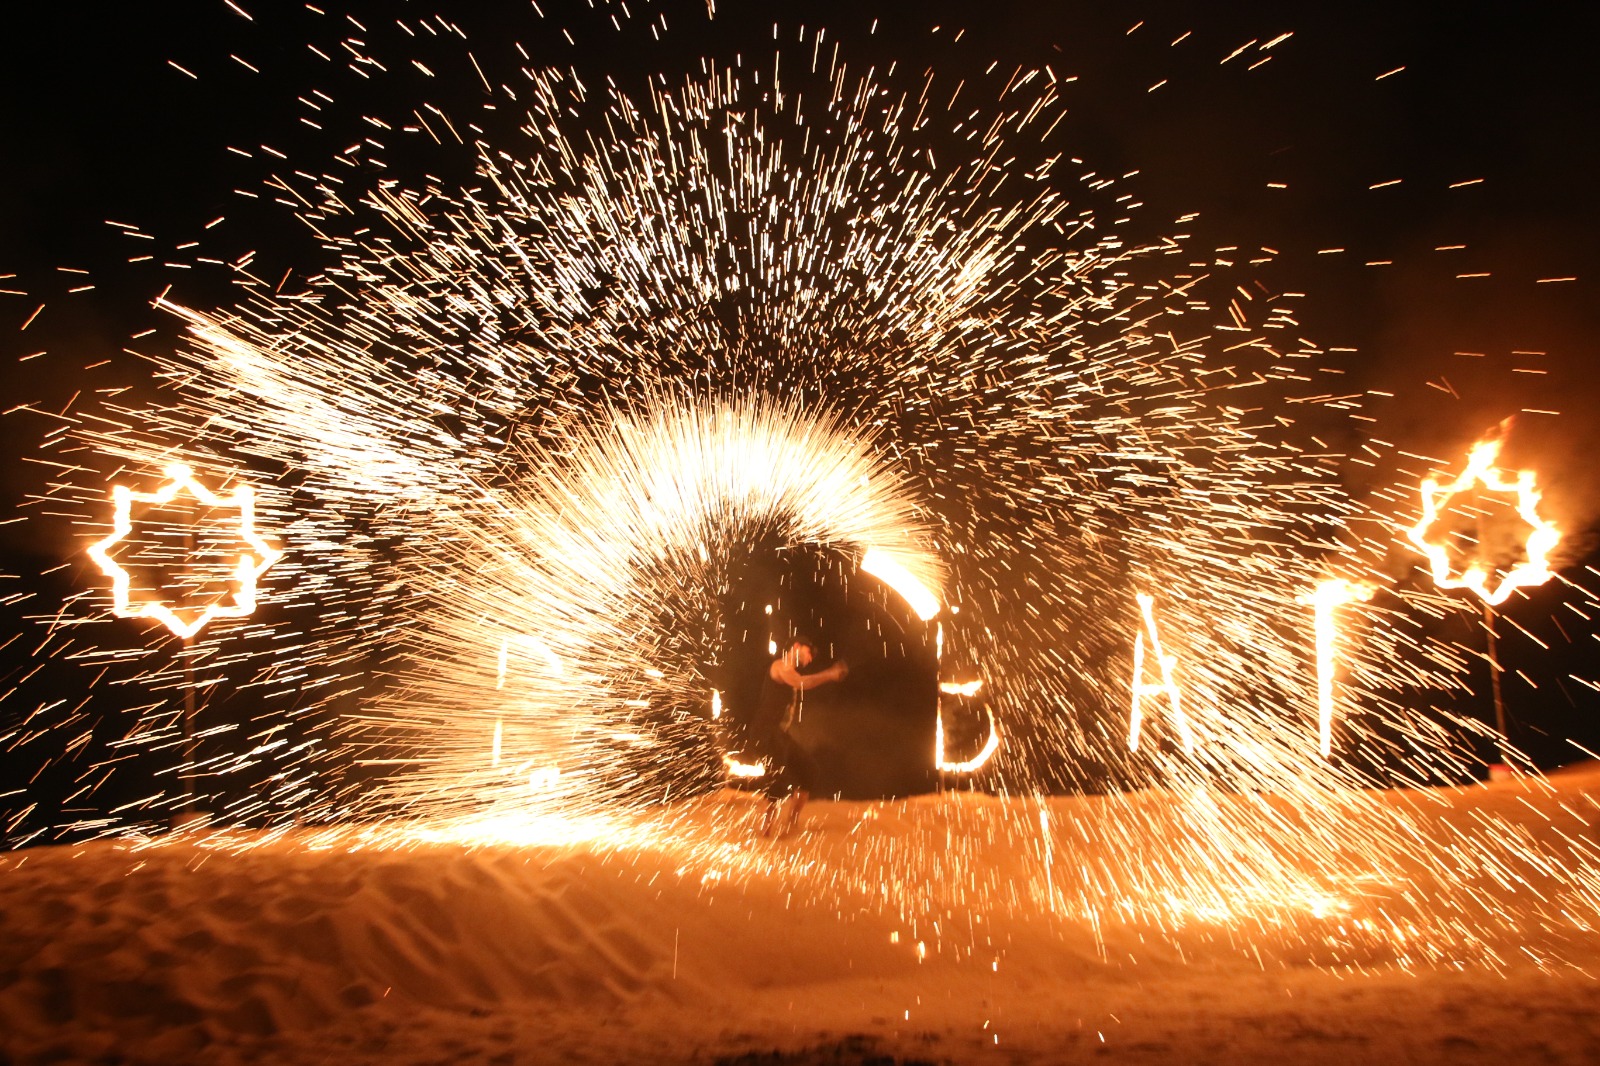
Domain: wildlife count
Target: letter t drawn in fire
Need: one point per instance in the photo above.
(1330, 595)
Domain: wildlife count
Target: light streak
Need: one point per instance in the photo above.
(1141, 688)
(550, 660)
(961, 688)
(894, 570)
(180, 478)
(1481, 471)
(1329, 596)
(578, 551)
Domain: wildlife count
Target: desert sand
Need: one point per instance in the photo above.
(312, 947)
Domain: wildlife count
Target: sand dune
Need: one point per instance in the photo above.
(709, 945)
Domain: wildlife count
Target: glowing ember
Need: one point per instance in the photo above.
(738, 768)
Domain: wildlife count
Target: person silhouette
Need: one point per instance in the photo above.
(790, 770)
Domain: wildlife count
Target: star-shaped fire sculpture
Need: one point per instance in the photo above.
(1542, 535)
(180, 478)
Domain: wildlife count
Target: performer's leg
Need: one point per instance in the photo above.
(792, 808)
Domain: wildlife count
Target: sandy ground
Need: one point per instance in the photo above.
(309, 950)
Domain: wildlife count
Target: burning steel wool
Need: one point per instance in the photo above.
(514, 432)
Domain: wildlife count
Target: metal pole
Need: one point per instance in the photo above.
(187, 774)
(1494, 683)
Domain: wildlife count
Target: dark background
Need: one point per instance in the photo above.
(97, 125)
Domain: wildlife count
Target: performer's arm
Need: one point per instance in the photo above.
(784, 672)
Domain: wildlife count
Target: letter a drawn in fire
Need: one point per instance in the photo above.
(1142, 688)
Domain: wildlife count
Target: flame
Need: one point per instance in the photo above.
(743, 769)
(990, 746)
(1141, 688)
(1543, 535)
(958, 688)
(1329, 595)
(181, 478)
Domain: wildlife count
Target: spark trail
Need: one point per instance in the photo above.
(1052, 401)
(523, 424)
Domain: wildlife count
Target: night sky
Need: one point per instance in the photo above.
(1427, 180)
(100, 125)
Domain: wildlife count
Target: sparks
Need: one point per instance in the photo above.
(535, 421)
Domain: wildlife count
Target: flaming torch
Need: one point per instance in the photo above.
(252, 563)
(1483, 476)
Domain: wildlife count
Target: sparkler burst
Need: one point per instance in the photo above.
(517, 433)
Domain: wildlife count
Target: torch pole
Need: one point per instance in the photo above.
(188, 813)
(1494, 683)
(188, 728)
